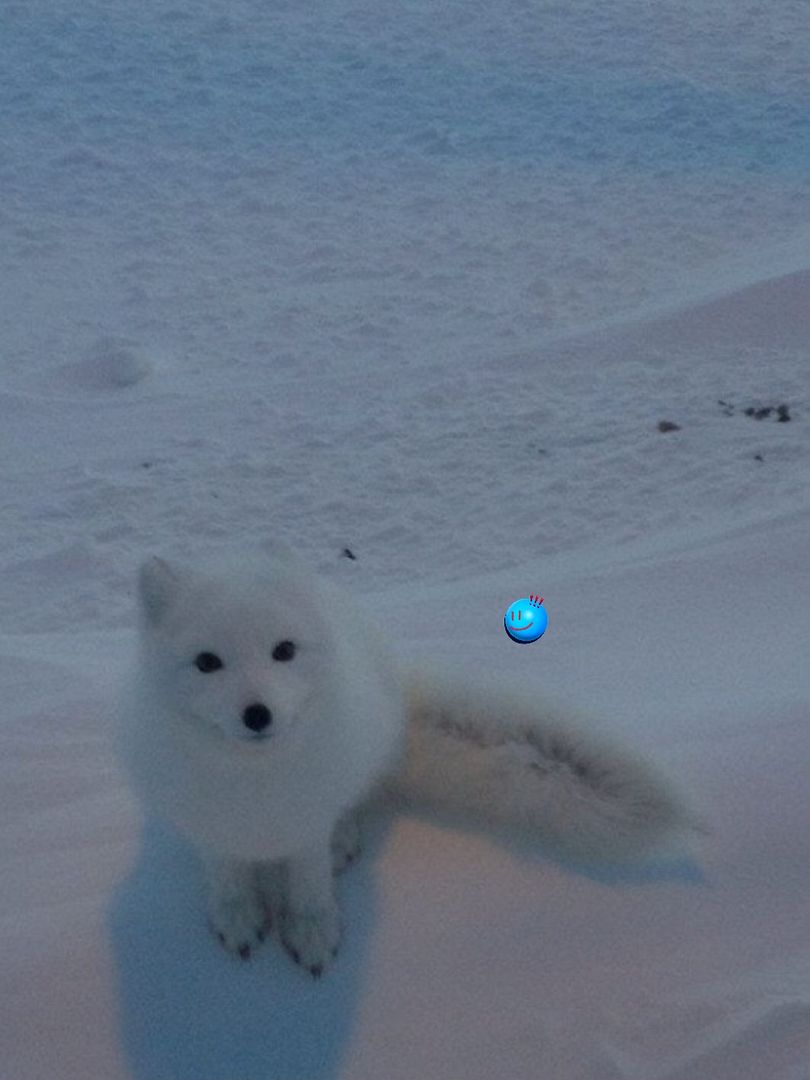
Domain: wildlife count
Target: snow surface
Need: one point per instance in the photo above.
(421, 282)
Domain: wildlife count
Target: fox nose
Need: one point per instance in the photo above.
(257, 717)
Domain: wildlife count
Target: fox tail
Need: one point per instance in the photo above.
(490, 758)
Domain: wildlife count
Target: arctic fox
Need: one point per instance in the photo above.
(265, 708)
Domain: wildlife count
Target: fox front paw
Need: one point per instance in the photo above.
(311, 936)
(239, 924)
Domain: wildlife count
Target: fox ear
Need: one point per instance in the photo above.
(158, 583)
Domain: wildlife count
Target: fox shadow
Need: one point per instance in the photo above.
(190, 1011)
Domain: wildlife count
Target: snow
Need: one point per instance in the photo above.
(420, 283)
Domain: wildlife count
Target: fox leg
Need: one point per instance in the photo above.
(309, 923)
(236, 912)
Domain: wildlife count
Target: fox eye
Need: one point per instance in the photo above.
(207, 661)
(285, 650)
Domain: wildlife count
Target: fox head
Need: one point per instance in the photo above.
(238, 649)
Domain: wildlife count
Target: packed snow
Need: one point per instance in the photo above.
(503, 299)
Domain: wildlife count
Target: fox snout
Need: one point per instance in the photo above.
(257, 717)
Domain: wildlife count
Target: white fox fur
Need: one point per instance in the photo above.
(503, 759)
(262, 759)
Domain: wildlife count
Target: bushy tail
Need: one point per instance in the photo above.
(491, 758)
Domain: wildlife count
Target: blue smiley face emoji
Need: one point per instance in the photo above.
(526, 620)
